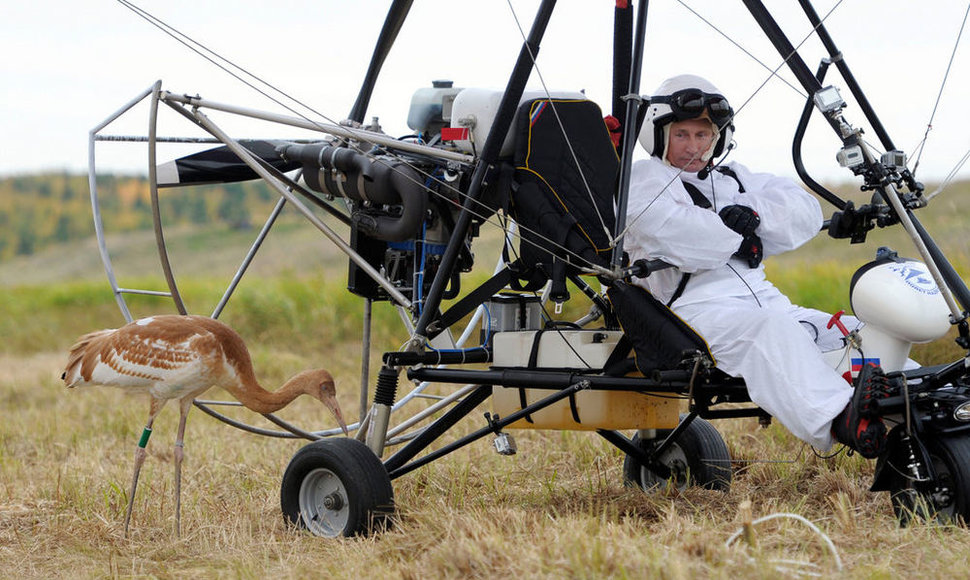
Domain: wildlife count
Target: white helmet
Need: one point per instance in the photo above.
(686, 97)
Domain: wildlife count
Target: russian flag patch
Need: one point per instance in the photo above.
(858, 363)
(537, 111)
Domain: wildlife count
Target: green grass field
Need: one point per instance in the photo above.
(556, 509)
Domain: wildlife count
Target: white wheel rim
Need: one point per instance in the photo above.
(676, 460)
(324, 506)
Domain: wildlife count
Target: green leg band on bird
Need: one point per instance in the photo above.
(144, 437)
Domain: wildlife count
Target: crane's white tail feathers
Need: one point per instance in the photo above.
(72, 372)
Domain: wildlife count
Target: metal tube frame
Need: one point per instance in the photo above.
(248, 259)
(484, 167)
(490, 153)
(156, 211)
(629, 135)
(797, 146)
(291, 430)
(326, 128)
(564, 383)
(854, 88)
(93, 137)
(850, 136)
(365, 356)
(250, 160)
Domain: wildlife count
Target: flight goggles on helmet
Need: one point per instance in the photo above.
(691, 103)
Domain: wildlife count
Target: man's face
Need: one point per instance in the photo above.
(688, 141)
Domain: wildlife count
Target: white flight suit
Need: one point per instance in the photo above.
(753, 330)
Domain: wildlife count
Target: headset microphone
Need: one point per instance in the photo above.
(703, 173)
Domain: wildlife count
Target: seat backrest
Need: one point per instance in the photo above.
(566, 171)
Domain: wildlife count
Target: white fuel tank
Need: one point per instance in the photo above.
(900, 297)
(475, 109)
(431, 106)
(587, 409)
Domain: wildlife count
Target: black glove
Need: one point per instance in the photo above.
(741, 219)
(751, 250)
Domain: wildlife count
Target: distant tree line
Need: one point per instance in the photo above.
(40, 210)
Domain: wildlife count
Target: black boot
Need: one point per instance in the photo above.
(859, 425)
(871, 385)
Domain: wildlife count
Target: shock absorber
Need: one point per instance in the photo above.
(384, 396)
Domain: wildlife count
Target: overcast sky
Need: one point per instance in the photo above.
(68, 66)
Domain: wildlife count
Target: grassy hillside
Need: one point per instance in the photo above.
(211, 252)
(46, 230)
(39, 211)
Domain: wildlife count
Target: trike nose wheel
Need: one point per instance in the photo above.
(337, 487)
(698, 457)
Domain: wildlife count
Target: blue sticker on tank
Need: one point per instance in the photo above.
(916, 277)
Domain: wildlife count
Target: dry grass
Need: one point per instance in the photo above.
(557, 509)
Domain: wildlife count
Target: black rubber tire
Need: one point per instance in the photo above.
(337, 487)
(699, 457)
(947, 500)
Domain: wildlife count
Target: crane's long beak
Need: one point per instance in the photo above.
(331, 403)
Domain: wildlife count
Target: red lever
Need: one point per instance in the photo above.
(836, 320)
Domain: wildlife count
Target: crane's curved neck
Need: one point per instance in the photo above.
(255, 398)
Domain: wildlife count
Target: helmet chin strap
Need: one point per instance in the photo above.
(666, 148)
(706, 156)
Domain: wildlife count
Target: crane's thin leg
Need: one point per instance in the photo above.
(155, 408)
(184, 406)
